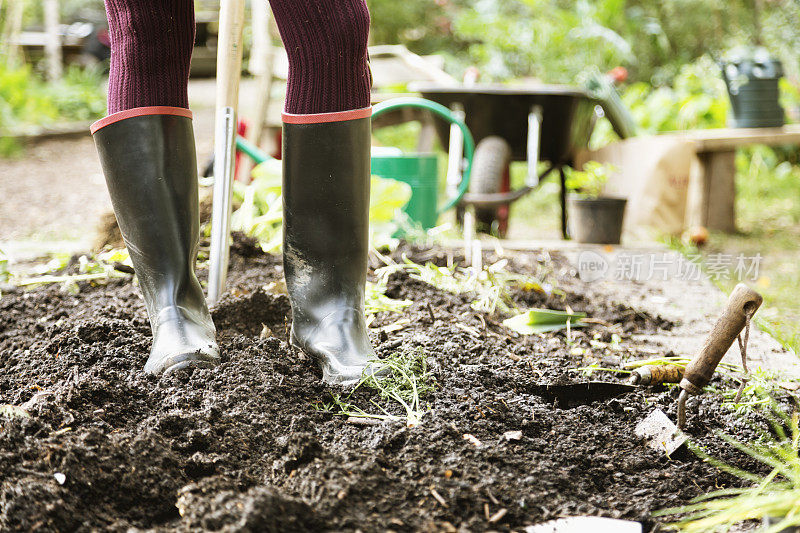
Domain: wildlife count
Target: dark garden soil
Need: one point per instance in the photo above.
(245, 447)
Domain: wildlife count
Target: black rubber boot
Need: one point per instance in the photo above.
(151, 171)
(326, 175)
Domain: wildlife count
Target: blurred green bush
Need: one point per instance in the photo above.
(555, 40)
(26, 99)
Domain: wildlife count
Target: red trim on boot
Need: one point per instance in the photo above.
(138, 112)
(336, 116)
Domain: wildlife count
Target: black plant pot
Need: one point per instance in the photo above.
(596, 220)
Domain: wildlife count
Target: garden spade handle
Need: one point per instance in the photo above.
(229, 69)
(742, 304)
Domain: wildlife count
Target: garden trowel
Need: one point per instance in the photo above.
(656, 429)
(660, 433)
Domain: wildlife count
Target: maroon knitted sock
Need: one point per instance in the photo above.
(326, 41)
(151, 47)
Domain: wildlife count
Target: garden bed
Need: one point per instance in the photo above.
(256, 444)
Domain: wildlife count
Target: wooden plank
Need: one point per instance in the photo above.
(725, 139)
(711, 198)
(720, 177)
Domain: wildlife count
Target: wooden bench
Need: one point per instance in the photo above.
(712, 184)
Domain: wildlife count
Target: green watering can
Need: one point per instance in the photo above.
(420, 171)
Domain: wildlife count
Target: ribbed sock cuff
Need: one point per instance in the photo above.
(326, 41)
(151, 50)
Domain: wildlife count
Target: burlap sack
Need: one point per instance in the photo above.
(653, 174)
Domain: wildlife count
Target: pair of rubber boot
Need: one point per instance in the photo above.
(148, 158)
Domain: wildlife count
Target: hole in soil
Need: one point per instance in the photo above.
(249, 314)
(571, 395)
(197, 469)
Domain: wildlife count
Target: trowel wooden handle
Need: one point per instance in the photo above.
(742, 303)
(656, 375)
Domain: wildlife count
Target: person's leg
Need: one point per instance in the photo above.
(146, 147)
(151, 47)
(326, 158)
(326, 42)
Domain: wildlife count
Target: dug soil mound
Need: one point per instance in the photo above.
(254, 445)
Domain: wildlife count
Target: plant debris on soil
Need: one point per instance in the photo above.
(97, 444)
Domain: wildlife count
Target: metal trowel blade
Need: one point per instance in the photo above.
(659, 433)
(582, 524)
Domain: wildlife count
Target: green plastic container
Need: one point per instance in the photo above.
(421, 172)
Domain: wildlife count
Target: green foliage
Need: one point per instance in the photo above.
(98, 268)
(555, 40)
(25, 99)
(757, 391)
(776, 495)
(773, 174)
(589, 182)
(261, 212)
(551, 40)
(376, 300)
(535, 321)
(403, 136)
(422, 25)
(697, 99)
(408, 381)
(79, 94)
(13, 411)
(386, 200)
(491, 286)
(4, 272)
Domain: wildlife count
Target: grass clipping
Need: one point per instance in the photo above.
(408, 381)
(774, 497)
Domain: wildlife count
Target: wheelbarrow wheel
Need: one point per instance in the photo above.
(490, 174)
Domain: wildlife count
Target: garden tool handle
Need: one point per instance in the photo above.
(656, 375)
(229, 70)
(449, 116)
(742, 304)
(229, 55)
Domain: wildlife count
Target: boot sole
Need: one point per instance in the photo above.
(195, 363)
(327, 377)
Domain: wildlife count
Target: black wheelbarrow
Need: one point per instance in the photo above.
(539, 123)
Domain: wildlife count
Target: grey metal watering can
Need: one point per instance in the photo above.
(752, 76)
